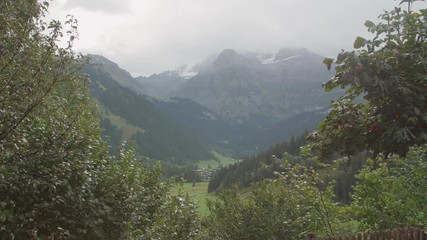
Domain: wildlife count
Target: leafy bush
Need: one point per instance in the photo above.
(389, 72)
(392, 191)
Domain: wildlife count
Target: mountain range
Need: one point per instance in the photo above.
(232, 103)
(250, 85)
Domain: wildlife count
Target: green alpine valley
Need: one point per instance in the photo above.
(286, 144)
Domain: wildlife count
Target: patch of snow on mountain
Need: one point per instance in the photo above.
(186, 72)
(268, 60)
(288, 58)
(272, 59)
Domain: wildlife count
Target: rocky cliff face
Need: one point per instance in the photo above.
(253, 85)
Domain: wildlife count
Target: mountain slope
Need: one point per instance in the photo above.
(250, 86)
(162, 84)
(161, 139)
(122, 77)
(223, 135)
(249, 102)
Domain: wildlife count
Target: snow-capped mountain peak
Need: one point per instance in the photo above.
(187, 72)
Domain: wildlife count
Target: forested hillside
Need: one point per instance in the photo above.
(264, 165)
(270, 163)
(160, 138)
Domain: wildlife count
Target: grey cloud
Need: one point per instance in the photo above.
(107, 6)
(155, 35)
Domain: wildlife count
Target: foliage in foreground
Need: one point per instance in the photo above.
(49, 137)
(390, 75)
(297, 202)
(178, 219)
(131, 193)
(389, 72)
(302, 200)
(392, 191)
(56, 178)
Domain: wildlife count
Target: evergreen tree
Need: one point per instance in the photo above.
(256, 168)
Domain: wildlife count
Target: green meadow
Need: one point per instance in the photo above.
(198, 193)
(219, 160)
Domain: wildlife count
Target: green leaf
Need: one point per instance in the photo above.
(360, 42)
(369, 24)
(329, 86)
(328, 62)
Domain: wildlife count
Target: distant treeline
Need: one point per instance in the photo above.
(267, 164)
(257, 167)
(186, 173)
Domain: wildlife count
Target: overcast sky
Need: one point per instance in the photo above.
(150, 36)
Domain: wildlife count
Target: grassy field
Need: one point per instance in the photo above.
(127, 128)
(198, 193)
(219, 160)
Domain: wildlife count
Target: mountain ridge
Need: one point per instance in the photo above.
(238, 105)
(239, 86)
